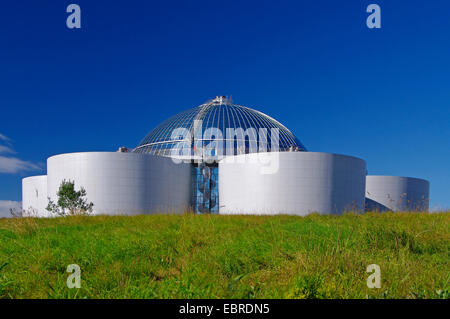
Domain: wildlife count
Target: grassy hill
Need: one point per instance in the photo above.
(210, 256)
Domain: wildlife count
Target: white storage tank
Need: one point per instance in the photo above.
(34, 196)
(124, 183)
(396, 193)
(295, 183)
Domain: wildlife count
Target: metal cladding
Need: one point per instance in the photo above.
(124, 183)
(34, 195)
(118, 183)
(396, 193)
(295, 183)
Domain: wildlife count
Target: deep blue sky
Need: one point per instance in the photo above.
(382, 95)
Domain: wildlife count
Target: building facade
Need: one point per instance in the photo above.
(222, 158)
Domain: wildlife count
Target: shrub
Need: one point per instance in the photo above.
(70, 202)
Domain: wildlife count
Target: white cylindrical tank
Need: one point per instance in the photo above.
(296, 183)
(34, 196)
(396, 193)
(124, 183)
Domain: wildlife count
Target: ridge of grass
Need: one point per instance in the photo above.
(219, 256)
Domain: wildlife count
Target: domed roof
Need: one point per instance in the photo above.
(219, 127)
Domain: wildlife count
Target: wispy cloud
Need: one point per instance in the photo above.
(5, 205)
(11, 164)
(6, 150)
(5, 138)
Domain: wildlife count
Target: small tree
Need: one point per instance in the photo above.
(70, 202)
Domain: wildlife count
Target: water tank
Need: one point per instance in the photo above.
(124, 183)
(34, 196)
(396, 193)
(295, 183)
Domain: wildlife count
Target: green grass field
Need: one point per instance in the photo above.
(211, 256)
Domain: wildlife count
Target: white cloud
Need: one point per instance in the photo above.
(5, 138)
(12, 165)
(6, 150)
(5, 205)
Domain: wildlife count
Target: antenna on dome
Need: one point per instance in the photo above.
(222, 99)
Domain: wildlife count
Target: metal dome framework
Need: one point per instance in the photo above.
(219, 115)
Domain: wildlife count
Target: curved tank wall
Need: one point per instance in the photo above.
(396, 193)
(34, 195)
(124, 183)
(296, 183)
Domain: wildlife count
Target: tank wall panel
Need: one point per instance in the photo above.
(124, 183)
(34, 195)
(304, 182)
(397, 193)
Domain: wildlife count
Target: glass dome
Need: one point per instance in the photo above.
(218, 127)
